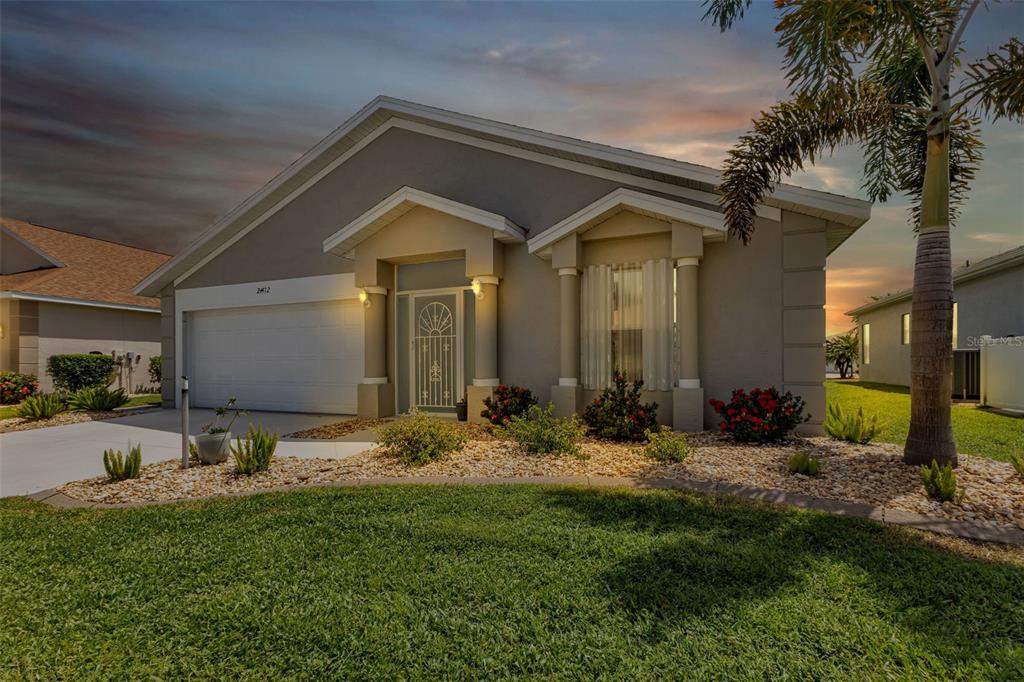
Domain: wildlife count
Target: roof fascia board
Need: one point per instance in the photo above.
(41, 298)
(628, 198)
(965, 275)
(342, 241)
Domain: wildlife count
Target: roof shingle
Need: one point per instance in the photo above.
(94, 269)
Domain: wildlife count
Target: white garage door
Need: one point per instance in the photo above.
(303, 357)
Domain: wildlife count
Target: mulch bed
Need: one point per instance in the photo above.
(869, 474)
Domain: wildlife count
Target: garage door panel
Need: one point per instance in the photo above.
(301, 357)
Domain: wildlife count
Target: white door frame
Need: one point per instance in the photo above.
(460, 360)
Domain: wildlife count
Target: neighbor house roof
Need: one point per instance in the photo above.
(993, 264)
(844, 214)
(80, 269)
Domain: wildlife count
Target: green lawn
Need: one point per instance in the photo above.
(135, 401)
(460, 582)
(977, 431)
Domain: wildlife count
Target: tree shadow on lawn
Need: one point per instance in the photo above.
(709, 557)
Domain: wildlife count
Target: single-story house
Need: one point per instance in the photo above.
(62, 292)
(988, 300)
(418, 255)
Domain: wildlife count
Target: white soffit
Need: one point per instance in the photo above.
(620, 199)
(404, 200)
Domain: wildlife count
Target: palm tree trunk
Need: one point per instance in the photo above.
(931, 342)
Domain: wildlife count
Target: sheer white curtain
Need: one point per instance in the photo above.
(626, 323)
(658, 288)
(596, 326)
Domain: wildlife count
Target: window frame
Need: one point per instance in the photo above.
(905, 329)
(865, 343)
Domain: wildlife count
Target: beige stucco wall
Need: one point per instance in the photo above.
(83, 329)
(988, 305)
(19, 345)
(761, 306)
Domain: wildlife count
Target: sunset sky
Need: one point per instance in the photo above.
(142, 122)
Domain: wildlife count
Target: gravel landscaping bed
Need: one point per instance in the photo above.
(19, 424)
(337, 429)
(870, 474)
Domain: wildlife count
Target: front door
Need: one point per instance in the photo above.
(435, 352)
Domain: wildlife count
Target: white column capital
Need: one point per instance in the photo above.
(688, 383)
(568, 272)
(486, 382)
(383, 291)
(689, 260)
(487, 279)
(570, 381)
(374, 380)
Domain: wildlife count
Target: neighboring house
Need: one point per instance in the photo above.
(418, 255)
(66, 293)
(988, 299)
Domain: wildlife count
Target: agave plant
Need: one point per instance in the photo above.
(850, 426)
(41, 406)
(120, 467)
(98, 399)
(804, 463)
(940, 481)
(256, 451)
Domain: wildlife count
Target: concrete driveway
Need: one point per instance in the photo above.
(35, 460)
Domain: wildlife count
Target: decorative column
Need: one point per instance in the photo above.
(566, 395)
(688, 404)
(485, 328)
(375, 392)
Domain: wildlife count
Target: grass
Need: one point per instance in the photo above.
(481, 582)
(977, 431)
(135, 401)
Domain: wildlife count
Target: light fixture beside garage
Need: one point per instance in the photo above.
(478, 290)
(364, 298)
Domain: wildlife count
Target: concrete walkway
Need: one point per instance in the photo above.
(35, 460)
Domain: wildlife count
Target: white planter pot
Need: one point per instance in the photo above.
(213, 448)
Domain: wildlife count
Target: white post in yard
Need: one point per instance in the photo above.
(184, 422)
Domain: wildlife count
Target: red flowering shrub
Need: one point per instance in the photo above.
(760, 416)
(618, 414)
(16, 387)
(507, 402)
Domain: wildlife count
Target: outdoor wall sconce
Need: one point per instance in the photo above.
(364, 298)
(478, 289)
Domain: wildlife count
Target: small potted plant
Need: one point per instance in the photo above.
(462, 410)
(214, 443)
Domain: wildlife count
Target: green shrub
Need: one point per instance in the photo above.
(804, 463)
(193, 452)
(506, 403)
(120, 468)
(666, 445)
(1017, 460)
(853, 427)
(256, 451)
(15, 387)
(940, 482)
(41, 406)
(541, 432)
(72, 373)
(618, 414)
(760, 416)
(419, 438)
(99, 399)
(155, 369)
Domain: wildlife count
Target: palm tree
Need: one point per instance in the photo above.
(878, 73)
(842, 351)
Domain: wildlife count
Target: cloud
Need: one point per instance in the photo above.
(998, 238)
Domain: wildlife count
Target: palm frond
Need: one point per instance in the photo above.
(995, 83)
(724, 13)
(788, 134)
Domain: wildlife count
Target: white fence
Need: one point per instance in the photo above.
(1002, 372)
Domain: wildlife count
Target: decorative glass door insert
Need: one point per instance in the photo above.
(435, 351)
